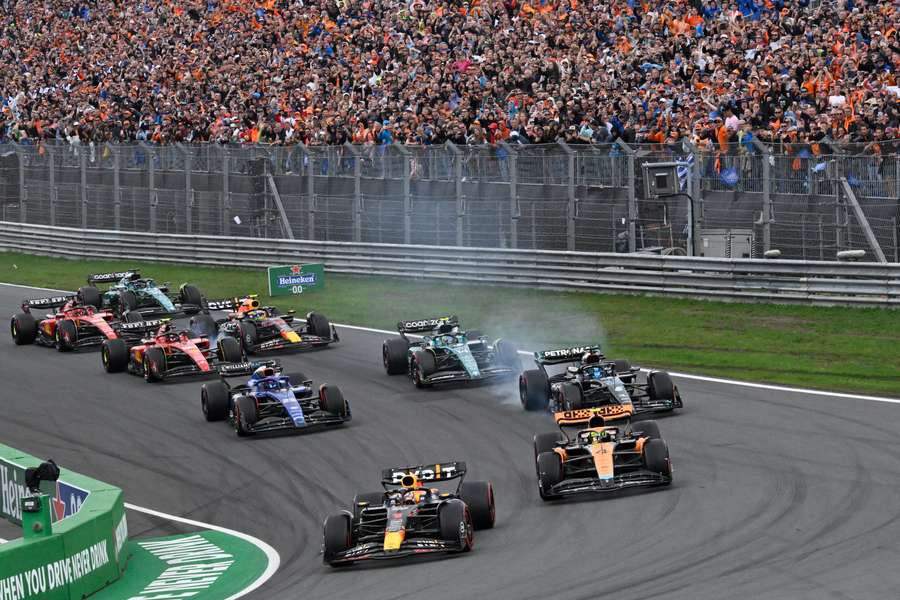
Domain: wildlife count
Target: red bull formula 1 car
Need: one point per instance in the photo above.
(170, 353)
(75, 325)
(265, 328)
(599, 457)
(410, 518)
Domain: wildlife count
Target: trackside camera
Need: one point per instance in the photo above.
(46, 471)
(660, 179)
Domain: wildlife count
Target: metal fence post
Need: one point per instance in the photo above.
(695, 192)
(151, 184)
(571, 203)
(405, 186)
(83, 189)
(632, 200)
(51, 154)
(514, 212)
(226, 191)
(767, 194)
(357, 192)
(188, 189)
(117, 189)
(310, 191)
(23, 192)
(458, 190)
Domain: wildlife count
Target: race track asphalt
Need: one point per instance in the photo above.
(776, 495)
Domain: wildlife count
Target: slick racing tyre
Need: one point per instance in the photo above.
(204, 325)
(249, 336)
(647, 428)
(546, 442)
(550, 472)
(660, 386)
(214, 400)
(571, 396)
(455, 522)
(190, 294)
(534, 390)
(479, 497)
(66, 335)
(133, 316)
(114, 354)
(338, 537)
(90, 296)
(127, 301)
(154, 363)
(623, 368)
(229, 350)
(245, 415)
(318, 325)
(656, 457)
(394, 356)
(331, 400)
(508, 354)
(23, 329)
(370, 499)
(423, 365)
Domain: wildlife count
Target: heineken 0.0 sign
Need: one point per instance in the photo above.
(296, 279)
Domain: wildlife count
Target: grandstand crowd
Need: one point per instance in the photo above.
(721, 72)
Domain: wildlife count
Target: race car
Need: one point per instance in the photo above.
(591, 379)
(273, 401)
(265, 328)
(130, 292)
(447, 354)
(599, 458)
(411, 518)
(171, 353)
(75, 325)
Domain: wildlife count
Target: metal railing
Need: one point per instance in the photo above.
(555, 196)
(787, 281)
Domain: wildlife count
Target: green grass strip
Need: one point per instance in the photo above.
(834, 348)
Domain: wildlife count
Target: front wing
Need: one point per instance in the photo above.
(448, 375)
(311, 421)
(633, 479)
(307, 342)
(413, 547)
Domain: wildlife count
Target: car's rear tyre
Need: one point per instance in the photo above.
(214, 400)
(229, 350)
(338, 536)
(331, 400)
(204, 325)
(249, 336)
(318, 324)
(423, 365)
(571, 395)
(371, 499)
(154, 364)
(534, 389)
(550, 473)
(90, 296)
(127, 301)
(479, 497)
(656, 457)
(245, 415)
(133, 317)
(114, 354)
(190, 294)
(296, 378)
(394, 356)
(455, 522)
(23, 329)
(546, 442)
(508, 354)
(623, 370)
(66, 335)
(660, 386)
(648, 428)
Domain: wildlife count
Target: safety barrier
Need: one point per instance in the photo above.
(783, 281)
(85, 551)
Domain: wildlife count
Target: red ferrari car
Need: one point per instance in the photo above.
(74, 325)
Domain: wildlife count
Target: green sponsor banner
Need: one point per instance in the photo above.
(288, 280)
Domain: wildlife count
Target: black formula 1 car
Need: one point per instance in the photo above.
(71, 326)
(130, 292)
(410, 519)
(447, 354)
(273, 401)
(599, 458)
(265, 328)
(171, 353)
(590, 379)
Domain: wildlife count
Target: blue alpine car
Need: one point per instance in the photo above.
(273, 401)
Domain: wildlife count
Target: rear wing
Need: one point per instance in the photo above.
(563, 355)
(51, 302)
(221, 304)
(422, 325)
(584, 416)
(140, 326)
(246, 367)
(110, 277)
(436, 472)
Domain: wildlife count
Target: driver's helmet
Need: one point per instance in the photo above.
(248, 304)
(262, 373)
(590, 358)
(183, 336)
(413, 490)
(133, 276)
(256, 314)
(604, 435)
(164, 328)
(446, 328)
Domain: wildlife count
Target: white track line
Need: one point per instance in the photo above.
(735, 382)
(271, 554)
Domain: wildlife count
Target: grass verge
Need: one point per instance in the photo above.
(848, 349)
